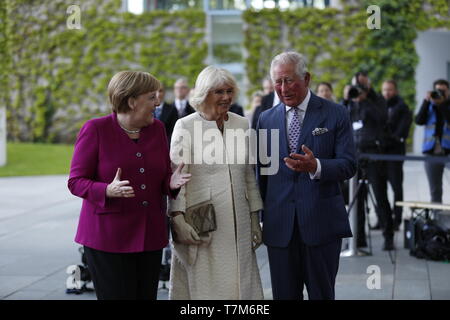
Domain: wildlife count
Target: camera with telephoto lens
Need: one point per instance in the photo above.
(356, 91)
(437, 94)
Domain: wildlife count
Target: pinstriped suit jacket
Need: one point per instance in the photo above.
(318, 204)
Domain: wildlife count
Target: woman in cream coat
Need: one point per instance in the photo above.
(223, 264)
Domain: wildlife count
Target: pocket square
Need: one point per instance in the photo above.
(319, 131)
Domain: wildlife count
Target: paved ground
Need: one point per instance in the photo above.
(38, 219)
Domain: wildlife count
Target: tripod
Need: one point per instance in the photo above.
(357, 188)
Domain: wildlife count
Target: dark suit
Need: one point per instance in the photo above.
(266, 103)
(236, 108)
(305, 219)
(169, 115)
(187, 110)
(399, 122)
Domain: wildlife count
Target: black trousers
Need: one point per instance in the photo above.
(376, 174)
(124, 276)
(395, 178)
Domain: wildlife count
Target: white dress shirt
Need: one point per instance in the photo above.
(302, 109)
(276, 100)
(180, 105)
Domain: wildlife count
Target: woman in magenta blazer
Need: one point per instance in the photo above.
(121, 169)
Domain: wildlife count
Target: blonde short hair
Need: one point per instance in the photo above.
(129, 84)
(209, 79)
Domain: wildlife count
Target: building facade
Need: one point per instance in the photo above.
(224, 30)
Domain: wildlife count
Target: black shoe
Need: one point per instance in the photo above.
(361, 243)
(375, 227)
(388, 244)
(164, 274)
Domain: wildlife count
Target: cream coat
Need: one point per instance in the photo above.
(226, 267)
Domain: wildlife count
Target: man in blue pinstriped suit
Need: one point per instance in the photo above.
(304, 218)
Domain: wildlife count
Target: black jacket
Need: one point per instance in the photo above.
(442, 114)
(169, 115)
(398, 124)
(187, 110)
(372, 112)
(236, 108)
(266, 103)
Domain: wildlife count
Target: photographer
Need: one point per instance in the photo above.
(435, 115)
(398, 124)
(369, 116)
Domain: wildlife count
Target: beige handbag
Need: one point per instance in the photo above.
(201, 218)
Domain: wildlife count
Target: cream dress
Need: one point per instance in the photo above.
(225, 267)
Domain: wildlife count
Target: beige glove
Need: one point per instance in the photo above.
(183, 232)
(256, 230)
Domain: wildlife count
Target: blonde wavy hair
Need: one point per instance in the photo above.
(208, 80)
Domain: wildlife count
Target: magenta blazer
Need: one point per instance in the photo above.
(121, 225)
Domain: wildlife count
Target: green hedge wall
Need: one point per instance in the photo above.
(4, 56)
(391, 50)
(53, 79)
(337, 43)
(58, 77)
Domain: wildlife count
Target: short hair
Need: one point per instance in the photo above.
(361, 73)
(267, 78)
(258, 93)
(357, 74)
(183, 80)
(209, 79)
(290, 57)
(391, 81)
(441, 82)
(324, 83)
(129, 84)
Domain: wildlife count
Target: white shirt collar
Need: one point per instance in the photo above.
(304, 104)
(180, 104)
(276, 100)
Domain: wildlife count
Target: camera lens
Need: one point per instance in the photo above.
(353, 92)
(435, 94)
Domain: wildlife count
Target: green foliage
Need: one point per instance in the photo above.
(329, 39)
(4, 55)
(394, 55)
(30, 159)
(337, 43)
(58, 76)
(227, 53)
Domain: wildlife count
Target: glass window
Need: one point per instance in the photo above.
(172, 4)
(289, 4)
(227, 38)
(227, 5)
(135, 6)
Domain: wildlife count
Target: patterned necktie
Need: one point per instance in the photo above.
(294, 130)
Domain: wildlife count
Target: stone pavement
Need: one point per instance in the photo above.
(38, 220)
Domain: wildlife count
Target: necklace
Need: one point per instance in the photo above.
(130, 131)
(219, 126)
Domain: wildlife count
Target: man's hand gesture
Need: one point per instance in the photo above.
(302, 163)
